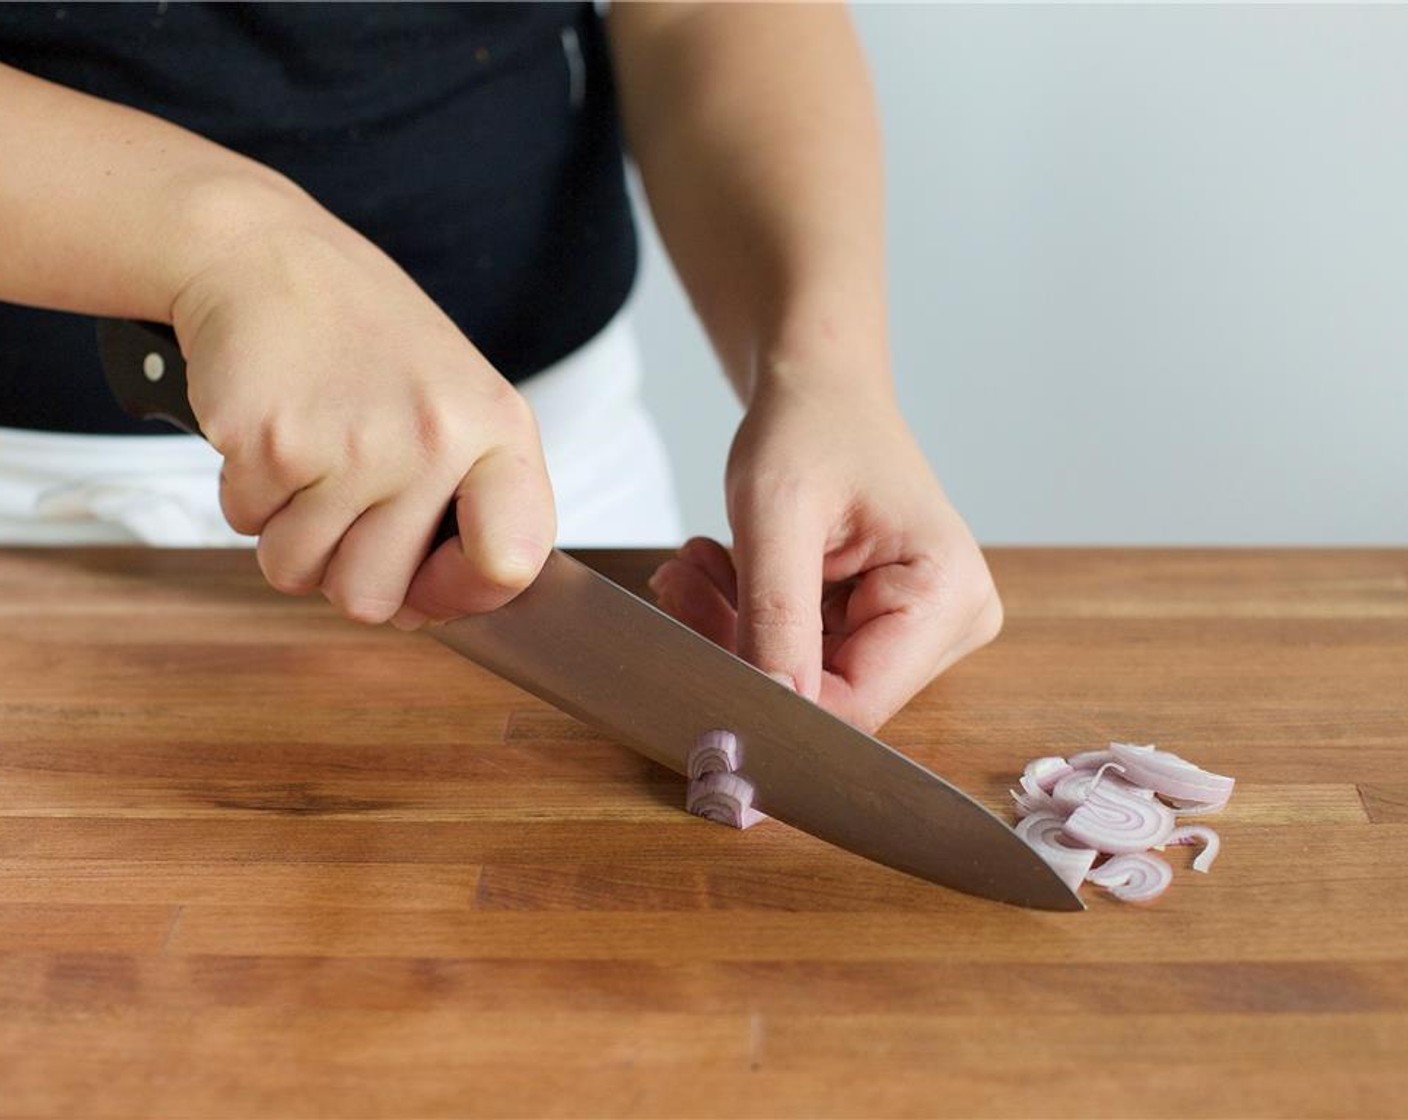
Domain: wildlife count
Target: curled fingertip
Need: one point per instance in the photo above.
(408, 618)
(512, 566)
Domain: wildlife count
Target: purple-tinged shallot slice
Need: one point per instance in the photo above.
(1091, 760)
(1113, 821)
(1029, 803)
(714, 752)
(1198, 834)
(1171, 776)
(1071, 791)
(1042, 833)
(1133, 877)
(1070, 815)
(1183, 808)
(724, 798)
(1043, 773)
(1036, 782)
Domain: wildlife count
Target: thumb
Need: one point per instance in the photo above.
(779, 564)
(507, 524)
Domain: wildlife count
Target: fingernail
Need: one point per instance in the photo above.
(785, 680)
(408, 618)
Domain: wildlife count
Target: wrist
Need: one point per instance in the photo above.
(252, 238)
(230, 217)
(822, 345)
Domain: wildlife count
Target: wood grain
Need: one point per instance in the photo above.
(256, 861)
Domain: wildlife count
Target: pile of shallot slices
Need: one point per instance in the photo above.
(1096, 816)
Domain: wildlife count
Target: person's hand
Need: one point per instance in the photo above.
(350, 412)
(852, 578)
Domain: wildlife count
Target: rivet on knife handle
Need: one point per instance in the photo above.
(146, 372)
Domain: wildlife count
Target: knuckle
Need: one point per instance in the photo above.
(441, 434)
(238, 512)
(510, 407)
(244, 523)
(449, 425)
(231, 430)
(869, 712)
(976, 595)
(776, 611)
(222, 432)
(515, 427)
(272, 451)
(990, 618)
(435, 427)
(365, 457)
(282, 454)
(871, 717)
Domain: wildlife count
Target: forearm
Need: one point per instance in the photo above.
(106, 210)
(754, 129)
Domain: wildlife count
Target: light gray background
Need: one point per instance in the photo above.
(1148, 267)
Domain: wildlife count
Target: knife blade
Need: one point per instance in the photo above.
(605, 656)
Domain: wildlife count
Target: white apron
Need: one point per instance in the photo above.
(610, 472)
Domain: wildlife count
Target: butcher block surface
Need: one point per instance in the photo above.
(257, 861)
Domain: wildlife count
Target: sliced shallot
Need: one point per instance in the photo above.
(1091, 760)
(1198, 834)
(1029, 803)
(1184, 808)
(1043, 773)
(1042, 832)
(1133, 877)
(1075, 787)
(714, 752)
(724, 798)
(1171, 776)
(1113, 821)
(1035, 797)
(1074, 809)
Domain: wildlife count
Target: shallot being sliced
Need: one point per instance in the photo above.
(716, 792)
(714, 752)
(1133, 877)
(1198, 834)
(1042, 832)
(724, 798)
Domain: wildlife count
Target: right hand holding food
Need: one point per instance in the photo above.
(350, 412)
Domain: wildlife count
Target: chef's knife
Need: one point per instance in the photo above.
(582, 643)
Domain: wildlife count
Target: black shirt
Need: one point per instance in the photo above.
(478, 144)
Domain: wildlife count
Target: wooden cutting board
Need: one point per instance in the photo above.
(258, 861)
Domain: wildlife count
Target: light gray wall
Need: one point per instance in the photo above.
(1149, 273)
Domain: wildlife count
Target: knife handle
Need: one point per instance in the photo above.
(145, 371)
(147, 374)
